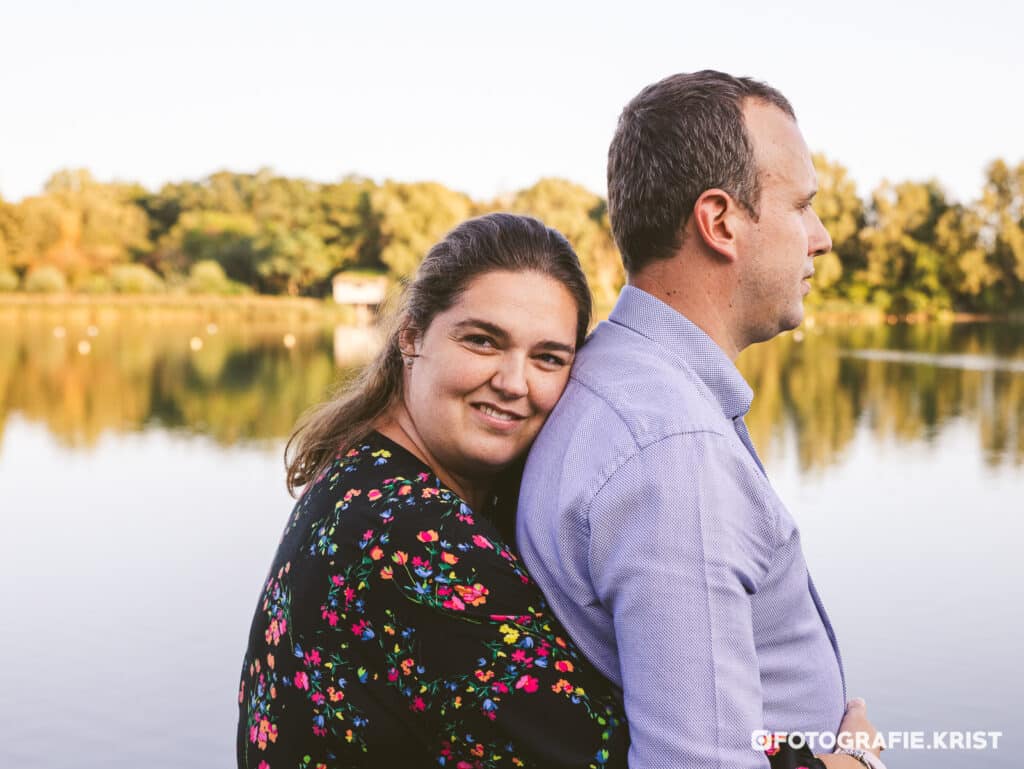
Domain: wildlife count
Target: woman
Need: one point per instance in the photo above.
(397, 626)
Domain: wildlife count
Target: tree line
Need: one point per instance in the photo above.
(908, 248)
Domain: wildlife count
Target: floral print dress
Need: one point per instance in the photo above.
(397, 629)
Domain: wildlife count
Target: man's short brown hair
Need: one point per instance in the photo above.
(676, 139)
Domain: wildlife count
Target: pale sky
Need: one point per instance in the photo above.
(485, 97)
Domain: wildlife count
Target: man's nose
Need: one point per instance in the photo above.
(820, 241)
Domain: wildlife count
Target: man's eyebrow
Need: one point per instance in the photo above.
(500, 333)
(806, 199)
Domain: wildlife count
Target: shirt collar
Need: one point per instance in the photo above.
(650, 317)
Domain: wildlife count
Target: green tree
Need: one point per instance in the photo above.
(1001, 209)
(582, 217)
(903, 270)
(412, 218)
(842, 212)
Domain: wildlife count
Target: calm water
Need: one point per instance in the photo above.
(142, 498)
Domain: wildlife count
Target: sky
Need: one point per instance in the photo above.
(485, 98)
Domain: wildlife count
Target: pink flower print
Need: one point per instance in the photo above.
(483, 542)
(359, 627)
(454, 603)
(563, 666)
(417, 705)
(263, 765)
(520, 656)
(313, 657)
(302, 681)
(373, 495)
(562, 686)
(368, 535)
(404, 489)
(429, 492)
(527, 683)
(475, 595)
(337, 580)
(318, 698)
(423, 477)
(261, 733)
(331, 616)
(499, 687)
(430, 535)
(392, 674)
(351, 493)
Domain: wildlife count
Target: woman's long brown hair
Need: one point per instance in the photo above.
(477, 246)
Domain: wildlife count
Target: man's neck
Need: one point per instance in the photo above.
(701, 301)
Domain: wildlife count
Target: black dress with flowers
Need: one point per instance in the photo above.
(397, 629)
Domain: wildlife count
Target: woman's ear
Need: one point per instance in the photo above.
(408, 342)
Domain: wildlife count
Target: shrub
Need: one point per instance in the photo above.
(46, 279)
(208, 277)
(8, 279)
(93, 283)
(135, 279)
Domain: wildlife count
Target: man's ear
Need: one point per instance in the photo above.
(717, 219)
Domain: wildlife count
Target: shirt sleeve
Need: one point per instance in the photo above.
(679, 540)
(491, 666)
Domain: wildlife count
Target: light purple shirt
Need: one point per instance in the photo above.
(649, 523)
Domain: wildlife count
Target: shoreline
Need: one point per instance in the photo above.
(260, 307)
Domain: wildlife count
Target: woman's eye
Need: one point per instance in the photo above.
(552, 360)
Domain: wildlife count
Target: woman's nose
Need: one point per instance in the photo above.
(510, 378)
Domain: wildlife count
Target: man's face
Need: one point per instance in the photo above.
(778, 250)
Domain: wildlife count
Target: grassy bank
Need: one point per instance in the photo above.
(176, 308)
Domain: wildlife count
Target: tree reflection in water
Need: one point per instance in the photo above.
(245, 382)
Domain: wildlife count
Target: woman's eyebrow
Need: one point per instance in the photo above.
(483, 325)
(569, 349)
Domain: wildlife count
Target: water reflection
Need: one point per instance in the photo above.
(244, 382)
(236, 383)
(904, 382)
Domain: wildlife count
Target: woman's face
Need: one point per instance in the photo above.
(489, 370)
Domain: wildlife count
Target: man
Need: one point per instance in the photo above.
(645, 514)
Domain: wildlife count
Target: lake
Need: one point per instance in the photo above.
(141, 484)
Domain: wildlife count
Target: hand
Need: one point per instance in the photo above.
(855, 722)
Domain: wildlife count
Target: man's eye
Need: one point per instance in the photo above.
(479, 340)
